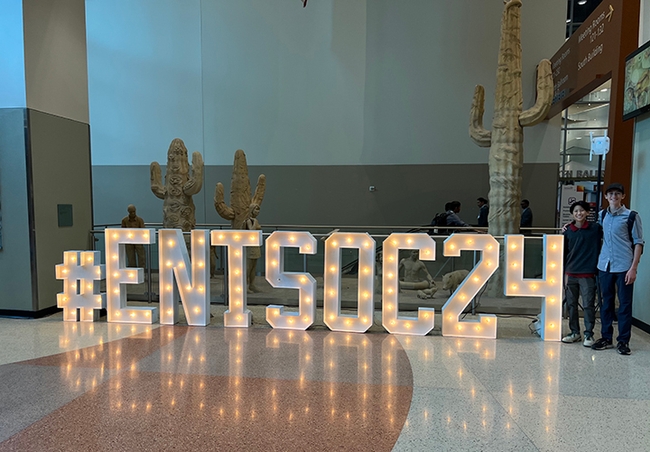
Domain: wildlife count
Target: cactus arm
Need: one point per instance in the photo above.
(537, 113)
(477, 132)
(195, 182)
(223, 210)
(258, 197)
(157, 187)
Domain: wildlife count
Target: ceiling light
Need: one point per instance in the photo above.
(604, 90)
(582, 2)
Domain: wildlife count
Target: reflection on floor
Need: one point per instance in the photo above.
(71, 387)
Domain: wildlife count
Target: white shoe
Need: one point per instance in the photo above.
(589, 341)
(573, 337)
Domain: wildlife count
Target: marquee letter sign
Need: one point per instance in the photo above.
(182, 279)
(187, 280)
(549, 287)
(117, 274)
(238, 313)
(81, 274)
(392, 322)
(332, 316)
(486, 325)
(304, 282)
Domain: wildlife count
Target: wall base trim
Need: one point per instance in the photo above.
(641, 325)
(29, 314)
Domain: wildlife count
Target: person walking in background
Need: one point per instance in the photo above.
(483, 211)
(617, 264)
(581, 248)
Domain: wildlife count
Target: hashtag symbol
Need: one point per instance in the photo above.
(81, 273)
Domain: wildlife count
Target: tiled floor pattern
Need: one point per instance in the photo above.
(102, 386)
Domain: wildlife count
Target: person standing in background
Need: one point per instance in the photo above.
(483, 212)
(526, 215)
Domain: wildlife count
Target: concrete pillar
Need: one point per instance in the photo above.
(45, 170)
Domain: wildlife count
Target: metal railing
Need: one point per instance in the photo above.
(314, 264)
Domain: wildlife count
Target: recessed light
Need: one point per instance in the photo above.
(582, 2)
(604, 90)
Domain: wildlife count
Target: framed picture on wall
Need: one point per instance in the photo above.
(637, 82)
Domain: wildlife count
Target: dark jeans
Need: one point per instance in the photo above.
(609, 283)
(587, 288)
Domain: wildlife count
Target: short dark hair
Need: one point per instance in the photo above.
(447, 206)
(584, 204)
(615, 187)
(454, 204)
(483, 200)
(525, 201)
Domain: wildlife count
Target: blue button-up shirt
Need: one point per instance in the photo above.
(617, 253)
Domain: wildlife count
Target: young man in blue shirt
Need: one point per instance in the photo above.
(617, 265)
(581, 247)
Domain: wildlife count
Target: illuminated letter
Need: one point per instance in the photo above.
(486, 325)
(238, 313)
(389, 313)
(549, 287)
(332, 298)
(174, 262)
(117, 274)
(81, 274)
(304, 282)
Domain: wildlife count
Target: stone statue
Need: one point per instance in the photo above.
(427, 293)
(451, 280)
(506, 138)
(134, 221)
(416, 275)
(252, 252)
(244, 209)
(182, 181)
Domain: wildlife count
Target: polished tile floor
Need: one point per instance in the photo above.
(78, 386)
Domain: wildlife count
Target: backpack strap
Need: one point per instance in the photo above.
(630, 224)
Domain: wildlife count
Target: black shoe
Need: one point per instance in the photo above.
(622, 348)
(602, 344)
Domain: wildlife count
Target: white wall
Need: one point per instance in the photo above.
(639, 202)
(282, 82)
(340, 82)
(144, 72)
(12, 56)
(424, 60)
(640, 182)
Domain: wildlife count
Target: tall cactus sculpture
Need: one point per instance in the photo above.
(506, 138)
(240, 208)
(182, 181)
(243, 209)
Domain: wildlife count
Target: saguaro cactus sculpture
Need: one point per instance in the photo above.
(243, 209)
(506, 138)
(241, 203)
(182, 181)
